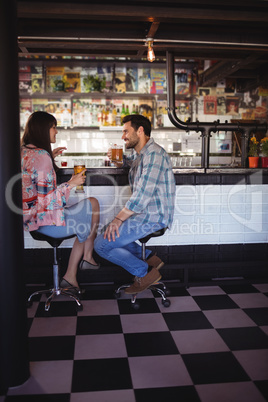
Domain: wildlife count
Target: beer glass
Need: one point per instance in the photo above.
(117, 154)
(79, 166)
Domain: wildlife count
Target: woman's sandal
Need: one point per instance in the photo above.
(71, 288)
(85, 265)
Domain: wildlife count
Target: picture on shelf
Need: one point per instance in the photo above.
(221, 105)
(232, 105)
(120, 79)
(230, 85)
(25, 80)
(144, 80)
(37, 79)
(54, 79)
(158, 81)
(203, 91)
(132, 80)
(248, 101)
(72, 81)
(210, 104)
(181, 82)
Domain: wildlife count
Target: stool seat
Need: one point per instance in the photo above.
(53, 241)
(55, 290)
(159, 232)
(164, 291)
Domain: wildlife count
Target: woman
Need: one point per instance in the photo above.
(44, 204)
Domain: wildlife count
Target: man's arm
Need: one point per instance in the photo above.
(113, 227)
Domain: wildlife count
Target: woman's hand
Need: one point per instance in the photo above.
(112, 229)
(58, 151)
(109, 153)
(77, 179)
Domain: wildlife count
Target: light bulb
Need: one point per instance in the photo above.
(150, 52)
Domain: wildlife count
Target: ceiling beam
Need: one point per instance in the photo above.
(151, 13)
(223, 69)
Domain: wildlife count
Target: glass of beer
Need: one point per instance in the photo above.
(117, 154)
(79, 166)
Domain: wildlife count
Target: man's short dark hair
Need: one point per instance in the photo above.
(137, 120)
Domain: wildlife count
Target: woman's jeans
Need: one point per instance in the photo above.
(124, 251)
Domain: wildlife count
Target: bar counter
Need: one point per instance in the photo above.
(103, 176)
(220, 223)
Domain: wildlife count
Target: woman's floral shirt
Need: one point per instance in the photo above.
(43, 201)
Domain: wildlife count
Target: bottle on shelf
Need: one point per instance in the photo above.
(66, 116)
(133, 109)
(127, 110)
(82, 114)
(114, 115)
(58, 115)
(94, 115)
(88, 114)
(99, 115)
(118, 118)
(76, 114)
(123, 113)
(137, 109)
(110, 116)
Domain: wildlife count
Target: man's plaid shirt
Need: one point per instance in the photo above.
(153, 185)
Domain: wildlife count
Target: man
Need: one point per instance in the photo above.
(150, 207)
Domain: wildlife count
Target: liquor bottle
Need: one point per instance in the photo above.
(58, 115)
(114, 114)
(110, 116)
(118, 118)
(94, 115)
(99, 116)
(137, 109)
(76, 114)
(127, 110)
(82, 114)
(150, 114)
(66, 116)
(105, 116)
(133, 109)
(89, 115)
(123, 113)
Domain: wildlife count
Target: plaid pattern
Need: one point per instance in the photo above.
(153, 185)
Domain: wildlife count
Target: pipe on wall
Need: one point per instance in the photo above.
(206, 128)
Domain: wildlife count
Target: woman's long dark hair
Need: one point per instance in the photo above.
(37, 132)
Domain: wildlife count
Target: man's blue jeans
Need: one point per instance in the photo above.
(124, 251)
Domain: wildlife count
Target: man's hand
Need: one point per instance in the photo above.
(112, 230)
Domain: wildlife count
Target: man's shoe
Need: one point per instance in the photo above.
(140, 284)
(154, 261)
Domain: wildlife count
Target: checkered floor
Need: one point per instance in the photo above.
(210, 345)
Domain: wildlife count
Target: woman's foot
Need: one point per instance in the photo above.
(85, 265)
(71, 287)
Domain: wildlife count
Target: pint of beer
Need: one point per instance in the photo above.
(117, 154)
(79, 166)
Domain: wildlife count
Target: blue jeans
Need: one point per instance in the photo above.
(124, 251)
(77, 221)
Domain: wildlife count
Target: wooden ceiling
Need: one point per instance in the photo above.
(231, 33)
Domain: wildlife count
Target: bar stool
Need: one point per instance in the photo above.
(55, 290)
(155, 287)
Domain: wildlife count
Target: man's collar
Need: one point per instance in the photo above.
(148, 143)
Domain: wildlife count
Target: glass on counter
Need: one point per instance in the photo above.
(79, 166)
(63, 162)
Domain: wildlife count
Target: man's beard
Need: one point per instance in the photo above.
(130, 144)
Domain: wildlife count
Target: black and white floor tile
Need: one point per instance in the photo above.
(210, 345)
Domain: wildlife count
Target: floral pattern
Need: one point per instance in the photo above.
(43, 201)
